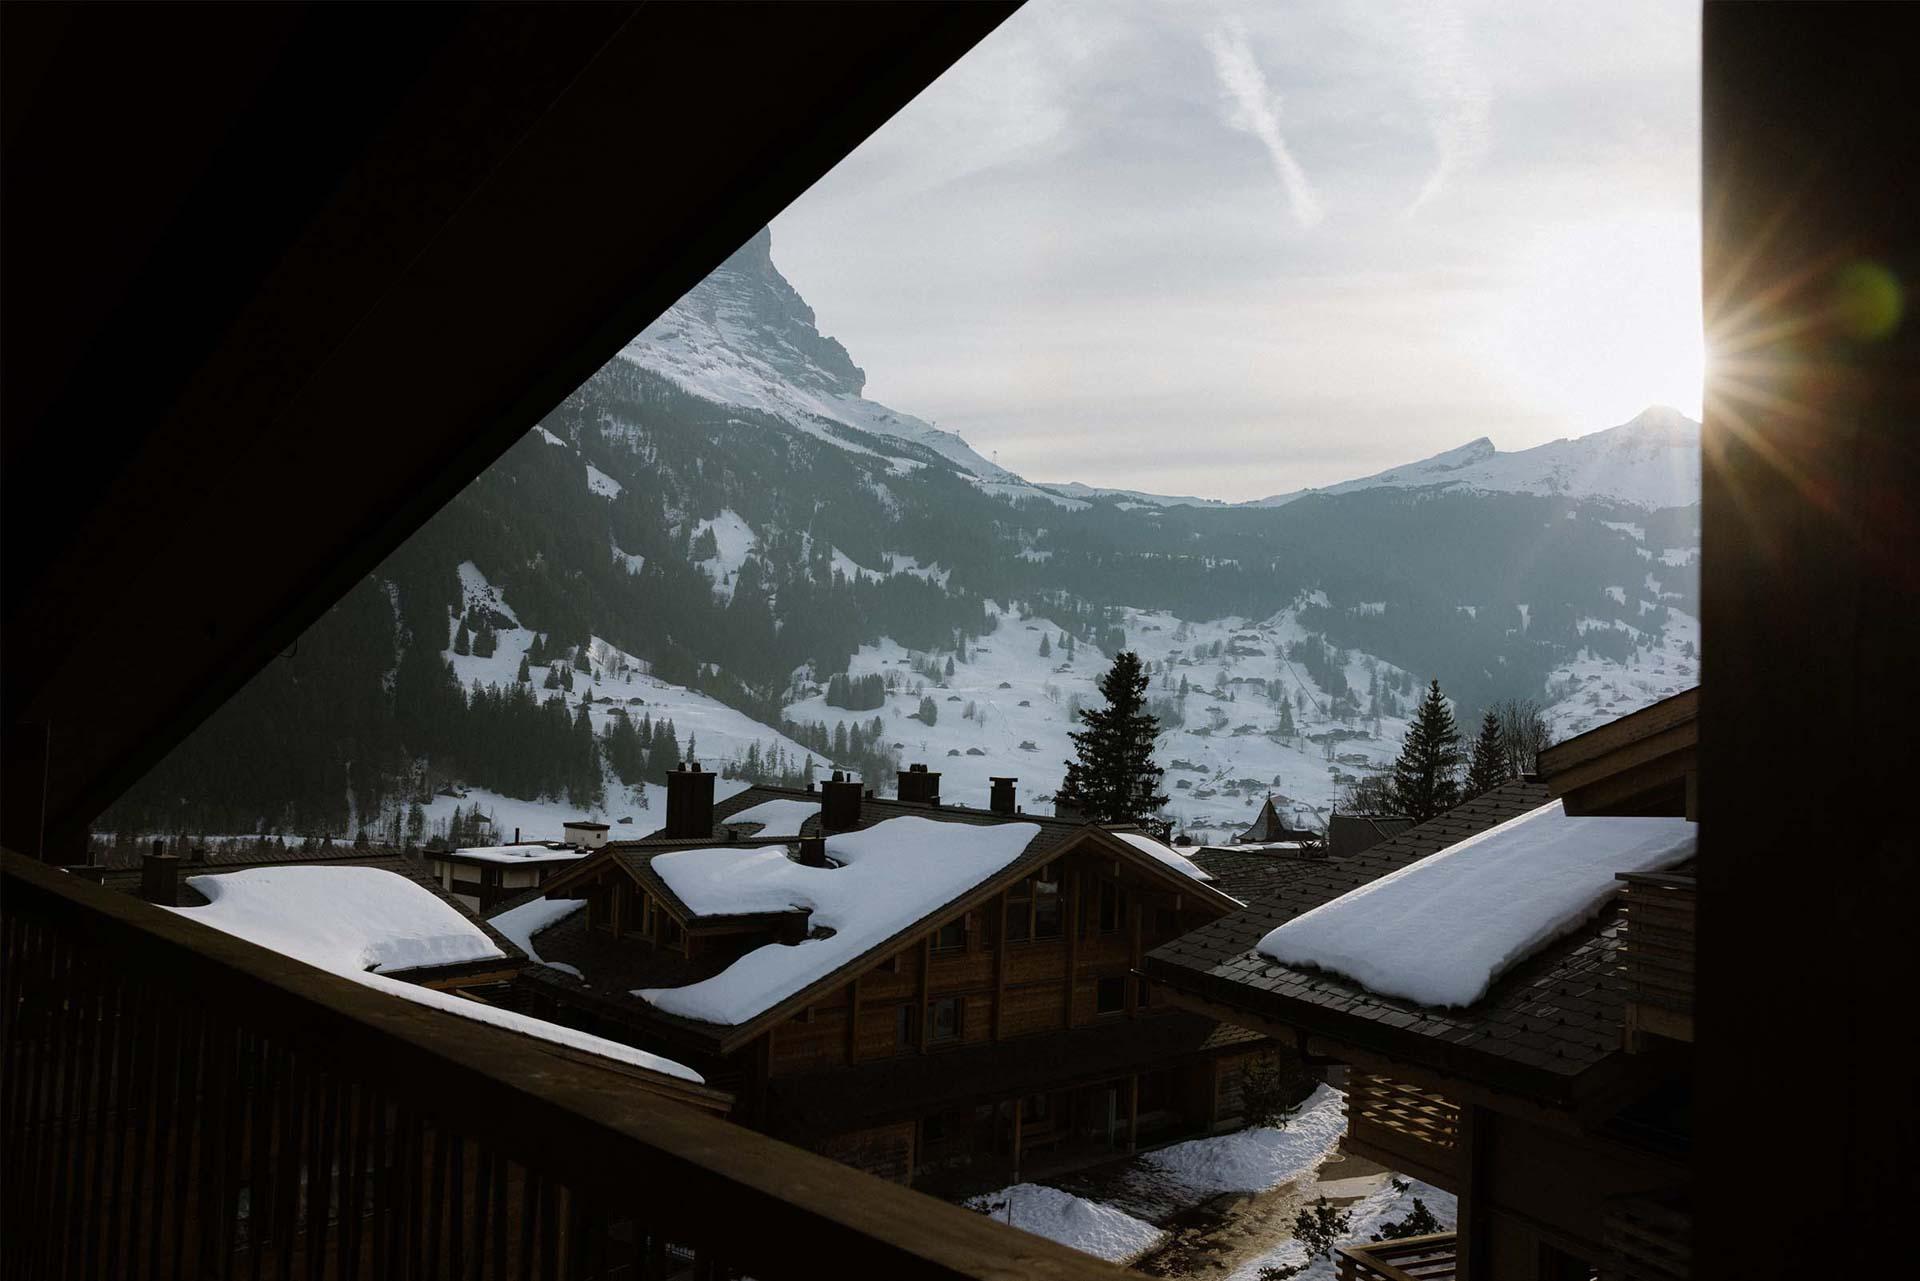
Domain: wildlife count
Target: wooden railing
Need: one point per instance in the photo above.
(176, 1102)
(1647, 1239)
(1659, 948)
(1428, 1258)
(1404, 1127)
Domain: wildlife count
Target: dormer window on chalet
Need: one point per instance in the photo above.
(951, 937)
(1033, 908)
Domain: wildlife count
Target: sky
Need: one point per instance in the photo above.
(1237, 249)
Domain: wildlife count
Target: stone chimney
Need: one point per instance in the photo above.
(1003, 799)
(689, 803)
(840, 799)
(160, 877)
(919, 786)
(813, 852)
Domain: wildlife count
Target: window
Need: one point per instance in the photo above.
(951, 937)
(669, 930)
(1046, 909)
(947, 1014)
(1110, 995)
(1020, 912)
(1110, 907)
(906, 1027)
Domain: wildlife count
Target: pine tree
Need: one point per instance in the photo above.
(949, 668)
(526, 672)
(929, 711)
(1426, 776)
(566, 678)
(1046, 646)
(461, 643)
(1115, 779)
(1488, 767)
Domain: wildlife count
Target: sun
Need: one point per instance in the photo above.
(1603, 319)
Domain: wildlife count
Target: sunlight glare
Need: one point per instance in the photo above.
(1605, 321)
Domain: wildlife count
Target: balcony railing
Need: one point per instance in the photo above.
(1428, 1258)
(1404, 1127)
(1659, 947)
(177, 1102)
(1647, 1239)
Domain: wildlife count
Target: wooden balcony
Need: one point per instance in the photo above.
(1428, 1258)
(176, 1102)
(1659, 956)
(1404, 1127)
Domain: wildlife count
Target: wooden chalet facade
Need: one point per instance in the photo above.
(1005, 1029)
(1558, 1106)
(482, 877)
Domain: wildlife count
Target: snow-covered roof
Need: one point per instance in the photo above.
(781, 817)
(519, 924)
(521, 853)
(1439, 931)
(1165, 853)
(356, 921)
(892, 874)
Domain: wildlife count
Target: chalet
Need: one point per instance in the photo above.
(941, 994)
(482, 876)
(1267, 827)
(1546, 1084)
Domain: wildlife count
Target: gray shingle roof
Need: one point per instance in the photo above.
(1543, 1024)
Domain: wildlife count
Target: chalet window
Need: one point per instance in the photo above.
(951, 937)
(946, 1018)
(1020, 912)
(906, 1026)
(1111, 907)
(1046, 909)
(1110, 995)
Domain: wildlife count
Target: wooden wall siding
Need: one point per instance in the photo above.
(1659, 955)
(1405, 1128)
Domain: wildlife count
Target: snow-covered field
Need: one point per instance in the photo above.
(1260, 1157)
(1223, 747)
(1075, 1222)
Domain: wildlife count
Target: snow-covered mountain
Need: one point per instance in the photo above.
(745, 337)
(1651, 462)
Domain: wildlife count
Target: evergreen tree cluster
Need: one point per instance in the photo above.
(858, 693)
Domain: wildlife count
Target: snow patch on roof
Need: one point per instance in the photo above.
(520, 854)
(1165, 853)
(1441, 930)
(781, 817)
(893, 874)
(521, 923)
(352, 921)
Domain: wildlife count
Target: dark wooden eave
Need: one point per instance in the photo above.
(1642, 763)
(281, 279)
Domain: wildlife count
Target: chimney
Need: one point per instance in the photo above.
(689, 803)
(919, 786)
(1002, 801)
(840, 803)
(813, 852)
(160, 877)
(197, 855)
(516, 836)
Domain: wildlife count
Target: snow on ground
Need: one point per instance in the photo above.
(1588, 691)
(1086, 1226)
(893, 873)
(849, 568)
(779, 817)
(1258, 1158)
(347, 919)
(601, 483)
(1165, 853)
(521, 923)
(735, 540)
(1384, 1205)
(1221, 740)
(1439, 931)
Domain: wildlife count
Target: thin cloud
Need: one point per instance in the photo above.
(1254, 110)
(1454, 93)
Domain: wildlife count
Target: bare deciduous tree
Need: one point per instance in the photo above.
(1524, 732)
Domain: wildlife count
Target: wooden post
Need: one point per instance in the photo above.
(1133, 1113)
(1019, 1110)
(1073, 944)
(619, 907)
(999, 963)
(1134, 912)
(926, 980)
(1473, 1250)
(853, 1020)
